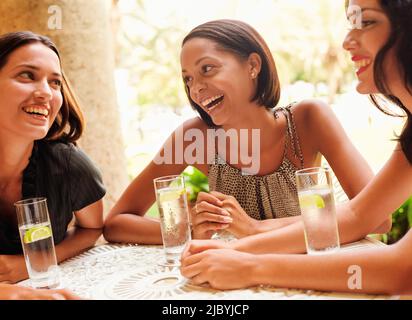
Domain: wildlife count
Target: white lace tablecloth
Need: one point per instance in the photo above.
(130, 272)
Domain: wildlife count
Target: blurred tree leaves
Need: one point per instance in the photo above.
(195, 182)
(304, 36)
(150, 51)
(401, 223)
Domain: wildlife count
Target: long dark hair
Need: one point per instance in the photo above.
(242, 40)
(399, 13)
(69, 123)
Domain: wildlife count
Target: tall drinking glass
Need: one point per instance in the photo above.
(37, 240)
(317, 205)
(171, 200)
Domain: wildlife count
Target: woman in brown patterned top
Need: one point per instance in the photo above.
(380, 45)
(231, 80)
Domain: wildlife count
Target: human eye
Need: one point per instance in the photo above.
(56, 83)
(367, 23)
(206, 68)
(354, 23)
(26, 75)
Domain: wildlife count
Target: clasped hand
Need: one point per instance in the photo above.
(213, 262)
(216, 211)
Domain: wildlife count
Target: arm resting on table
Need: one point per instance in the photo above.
(88, 228)
(384, 270)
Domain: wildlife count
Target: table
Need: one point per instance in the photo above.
(130, 272)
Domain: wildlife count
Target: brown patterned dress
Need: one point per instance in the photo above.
(263, 197)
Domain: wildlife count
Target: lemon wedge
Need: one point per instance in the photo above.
(170, 195)
(311, 200)
(36, 234)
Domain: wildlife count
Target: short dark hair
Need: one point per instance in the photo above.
(69, 123)
(242, 40)
(399, 13)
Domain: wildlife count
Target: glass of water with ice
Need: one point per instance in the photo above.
(317, 206)
(171, 200)
(37, 240)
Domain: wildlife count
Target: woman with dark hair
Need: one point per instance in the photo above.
(40, 123)
(231, 80)
(380, 48)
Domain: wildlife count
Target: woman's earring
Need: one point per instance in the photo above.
(253, 75)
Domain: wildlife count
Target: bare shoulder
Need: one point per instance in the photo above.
(312, 113)
(311, 108)
(192, 129)
(318, 118)
(194, 123)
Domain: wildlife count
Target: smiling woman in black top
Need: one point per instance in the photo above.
(40, 123)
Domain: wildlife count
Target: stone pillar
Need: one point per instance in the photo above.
(82, 32)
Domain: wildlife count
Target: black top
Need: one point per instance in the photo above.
(63, 174)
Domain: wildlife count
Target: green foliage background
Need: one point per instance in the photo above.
(401, 223)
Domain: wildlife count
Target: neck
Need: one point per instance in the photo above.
(14, 156)
(405, 97)
(407, 101)
(252, 117)
(258, 118)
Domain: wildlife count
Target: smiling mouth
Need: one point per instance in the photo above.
(362, 65)
(36, 111)
(212, 102)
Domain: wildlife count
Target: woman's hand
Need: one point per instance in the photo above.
(12, 268)
(15, 292)
(208, 216)
(243, 225)
(196, 246)
(222, 268)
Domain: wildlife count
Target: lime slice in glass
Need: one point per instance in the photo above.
(170, 195)
(36, 234)
(311, 200)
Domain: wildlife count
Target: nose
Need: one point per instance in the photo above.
(42, 91)
(350, 42)
(197, 87)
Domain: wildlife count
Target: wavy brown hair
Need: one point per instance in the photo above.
(69, 123)
(242, 40)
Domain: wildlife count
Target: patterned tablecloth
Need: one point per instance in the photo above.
(124, 272)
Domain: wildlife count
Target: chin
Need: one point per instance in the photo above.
(364, 88)
(38, 134)
(218, 121)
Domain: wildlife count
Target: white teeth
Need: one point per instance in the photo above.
(214, 107)
(206, 102)
(362, 63)
(42, 111)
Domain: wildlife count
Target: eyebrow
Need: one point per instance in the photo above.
(198, 61)
(36, 68)
(363, 10)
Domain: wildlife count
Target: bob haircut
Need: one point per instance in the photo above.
(242, 40)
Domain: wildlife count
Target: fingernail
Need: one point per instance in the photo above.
(224, 226)
(225, 212)
(227, 219)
